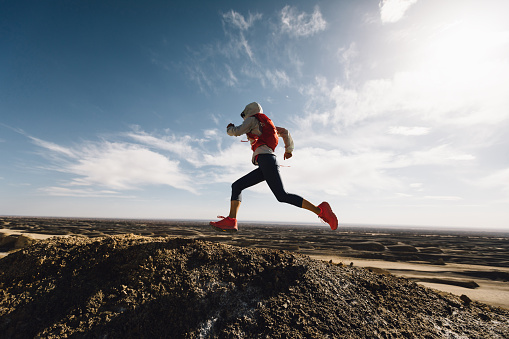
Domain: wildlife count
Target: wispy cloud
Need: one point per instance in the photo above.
(137, 159)
(346, 56)
(248, 50)
(339, 173)
(278, 78)
(125, 166)
(393, 10)
(231, 80)
(442, 197)
(114, 166)
(239, 21)
(81, 192)
(406, 130)
(237, 39)
(178, 145)
(302, 24)
(430, 95)
(496, 179)
(54, 147)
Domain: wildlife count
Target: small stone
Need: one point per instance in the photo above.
(466, 300)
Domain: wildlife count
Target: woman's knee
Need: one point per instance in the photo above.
(236, 191)
(283, 197)
(291, 199)
(235, 186)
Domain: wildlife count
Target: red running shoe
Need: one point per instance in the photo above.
(327, 215)
(225, 225)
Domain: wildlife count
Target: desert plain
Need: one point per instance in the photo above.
(467, 263)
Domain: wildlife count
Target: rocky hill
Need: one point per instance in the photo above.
(129, 286)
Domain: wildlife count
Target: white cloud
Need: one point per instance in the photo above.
(406, 130)
(124, 166)
(239, 21)
(198, 75)
(278, 78)
(54, 147)
(347, 58)
(331, 171)
(416, 187)
(430, 95)
(497, 179)
(250, 51)
(116, 166)
(442, 197)
(178, 145)
(81, 192)
(301, 24)
(214, 118)
(106, 168)
(237, 40)
(212, 133)
(439, 155)
(394, 10)
(231, 80)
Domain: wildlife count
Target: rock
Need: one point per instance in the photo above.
(378, 270)
(431, 250)
(439, 261)
(466, 300)
(470, 284)
(367, 246)
(23, 241)
(402, 248)
(7, 242)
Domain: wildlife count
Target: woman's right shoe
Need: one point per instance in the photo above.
(327, 215)
(225, 225)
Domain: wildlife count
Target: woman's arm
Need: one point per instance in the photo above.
(287, 139)
(246, 127)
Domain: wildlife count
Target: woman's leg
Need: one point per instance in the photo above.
(270, 168)
(310, 207)
(268, 165)
(234, 208)
(252, 178)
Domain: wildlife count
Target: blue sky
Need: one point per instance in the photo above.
(398, 109)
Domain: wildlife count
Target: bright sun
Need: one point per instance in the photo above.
(462, 47)
(467, 62)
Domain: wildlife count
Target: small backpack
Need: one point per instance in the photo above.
(269, 135)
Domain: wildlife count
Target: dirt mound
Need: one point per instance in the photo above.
(133, 287)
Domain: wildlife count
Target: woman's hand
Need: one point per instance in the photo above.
(230, 124)
(287, 155)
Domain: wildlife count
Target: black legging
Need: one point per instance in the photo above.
(268, 170)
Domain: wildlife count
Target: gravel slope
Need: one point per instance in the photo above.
(138, 287)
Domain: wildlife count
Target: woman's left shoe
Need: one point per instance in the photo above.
(225, 225)
(327, 215)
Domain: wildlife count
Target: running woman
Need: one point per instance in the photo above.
(263, 136)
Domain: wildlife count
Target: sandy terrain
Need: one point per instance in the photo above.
(490, 291)
(471, 264)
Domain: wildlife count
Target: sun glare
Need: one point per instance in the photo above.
(465, 63)
(461, 47)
